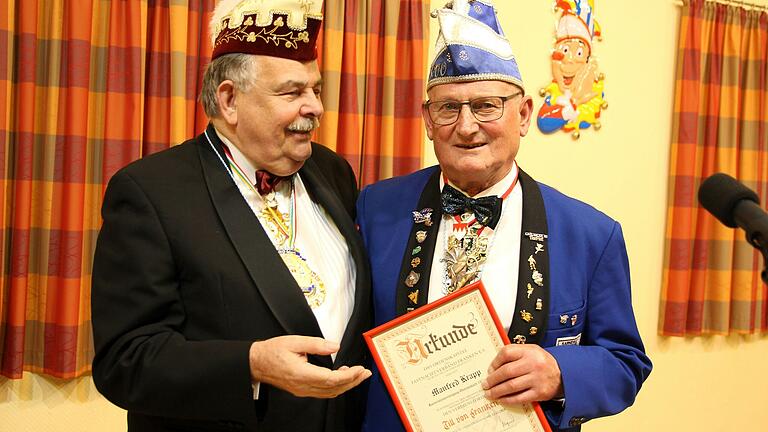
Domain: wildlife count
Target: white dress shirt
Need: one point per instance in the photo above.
(500, 272)
(317, 238)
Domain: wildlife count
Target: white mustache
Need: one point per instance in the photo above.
(304, 124)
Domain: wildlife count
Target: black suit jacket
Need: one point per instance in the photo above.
(185, 279)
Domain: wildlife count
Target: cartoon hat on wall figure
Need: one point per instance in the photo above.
(575, 97)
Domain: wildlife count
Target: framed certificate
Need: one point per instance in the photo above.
(433, 360)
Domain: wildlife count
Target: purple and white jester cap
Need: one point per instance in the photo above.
(471, 46)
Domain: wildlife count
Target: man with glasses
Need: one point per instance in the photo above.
(555, 269)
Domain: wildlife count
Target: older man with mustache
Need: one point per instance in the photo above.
(230, 288)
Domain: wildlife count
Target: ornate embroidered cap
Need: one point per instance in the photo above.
(277, 28)
(577, 21)
(471, 46)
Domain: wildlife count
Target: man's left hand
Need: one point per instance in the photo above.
(523, 373)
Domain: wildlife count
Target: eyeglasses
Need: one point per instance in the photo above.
(485, 109)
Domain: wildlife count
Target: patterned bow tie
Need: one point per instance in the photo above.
(487, 210)
(266, 182)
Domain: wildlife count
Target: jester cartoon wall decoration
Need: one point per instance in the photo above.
(574, 99)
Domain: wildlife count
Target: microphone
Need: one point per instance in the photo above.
(734, 205)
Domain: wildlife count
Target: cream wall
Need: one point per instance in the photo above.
(712, 384)
(39, 404)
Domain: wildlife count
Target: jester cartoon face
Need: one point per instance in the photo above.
(569, 57)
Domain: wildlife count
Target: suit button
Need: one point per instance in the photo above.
(576, 421)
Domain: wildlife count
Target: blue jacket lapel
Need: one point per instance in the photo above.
(413, 282)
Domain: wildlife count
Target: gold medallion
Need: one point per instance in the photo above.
(309, 282)
(464, 257)
(275, 224)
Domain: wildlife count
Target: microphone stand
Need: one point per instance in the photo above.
(764, 274)
(757, 240)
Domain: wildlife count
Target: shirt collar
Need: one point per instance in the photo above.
(245, 165)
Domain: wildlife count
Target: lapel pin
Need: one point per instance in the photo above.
(535, 236)
(538, 278)
(423, 216)
(421, 236)
(526, 316)
(531, 262)
(412, 279)
(413, 296)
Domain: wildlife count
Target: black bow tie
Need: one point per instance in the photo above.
(487, 210)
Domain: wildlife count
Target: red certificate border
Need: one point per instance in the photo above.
(370, 334)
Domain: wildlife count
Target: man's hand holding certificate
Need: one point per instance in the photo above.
(523, 373)
(434, 361)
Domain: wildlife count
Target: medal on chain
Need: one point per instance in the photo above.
(466, 251)
(284, 236)
(309, 281)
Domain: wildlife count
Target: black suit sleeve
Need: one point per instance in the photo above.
(143, 363)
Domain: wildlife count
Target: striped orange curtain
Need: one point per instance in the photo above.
(711, 281)
(373, 61)
(86, 87)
